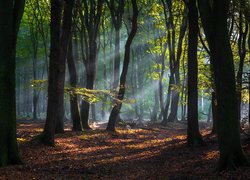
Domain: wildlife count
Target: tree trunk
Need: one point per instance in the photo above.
(242, 54)
(117, 59)
(193, 135)
(156, 106)
(116, 109)
(90, 75)
(214, 20)
(91, 23)
(48, 135)
(93, 112)
(59, 46)
(10, 17)
(165, 113)
(162, 59)
(64, 42)
(209, 113)
(34, 40)
(214, 113)
(75, 115)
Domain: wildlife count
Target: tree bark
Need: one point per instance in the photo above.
(193, 135)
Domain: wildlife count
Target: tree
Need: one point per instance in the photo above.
(75, 115)
(48, 134)
(174, 59)
(90, 16)
(214, 22)
(193, 135)
(58, 52)
(174, 66)
(61, 68)
(117, 107)
(10, 17)
(116, 17)
(241, 51)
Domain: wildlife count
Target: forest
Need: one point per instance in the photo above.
(124, 89)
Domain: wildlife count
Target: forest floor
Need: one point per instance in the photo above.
(148, 152)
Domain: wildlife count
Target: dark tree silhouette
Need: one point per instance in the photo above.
(10, 17)
(75, 114)
(214, 21)
(58, 52)
(117, 107)
(193, 135)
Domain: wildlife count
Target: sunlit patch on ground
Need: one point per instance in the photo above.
(211, 155)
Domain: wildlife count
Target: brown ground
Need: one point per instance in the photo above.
(144, 153)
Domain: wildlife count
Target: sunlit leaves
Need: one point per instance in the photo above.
(40, 84)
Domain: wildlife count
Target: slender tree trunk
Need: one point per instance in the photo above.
(242, 54)
(90, 75)
(214, 113)
(91, 23)
(209, 113)
(162, 58)
(34, 40)
(176, 92)
(104, 71)
(93, 112)
(75, 115)
(156, 106)
(193, 135)
(165, 114)
(116, 109)
(117, 59)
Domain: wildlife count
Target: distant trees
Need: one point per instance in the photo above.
(10, 17)
(116, 10)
